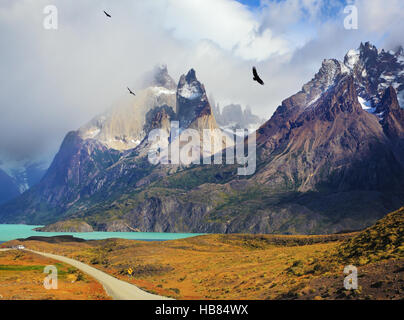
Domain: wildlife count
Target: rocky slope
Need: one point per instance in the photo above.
(8, 187)
(75, 165)
(381, 241)
(85, 155)
(17, 177)
(28, 175)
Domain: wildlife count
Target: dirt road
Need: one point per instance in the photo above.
(117, 289)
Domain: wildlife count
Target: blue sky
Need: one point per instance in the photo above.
(250, 3)
(329, 9)
(305, 27)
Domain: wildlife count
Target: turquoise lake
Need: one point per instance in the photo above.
(15, 231)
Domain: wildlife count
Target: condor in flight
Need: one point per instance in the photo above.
(257, 77)
(131, 92)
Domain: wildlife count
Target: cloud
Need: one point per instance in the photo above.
(379, 15)
(55, 81)
(384, 19)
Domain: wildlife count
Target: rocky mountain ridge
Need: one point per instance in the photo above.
(329, 159)
(104, 151)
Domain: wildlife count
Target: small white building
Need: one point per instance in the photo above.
(20, 247)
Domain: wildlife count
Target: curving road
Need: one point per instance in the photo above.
(116, 289)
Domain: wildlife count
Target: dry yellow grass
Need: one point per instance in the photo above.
(252, 266)
(205, 267)
(21, 278)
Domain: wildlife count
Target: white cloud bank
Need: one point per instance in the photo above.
(54, 81)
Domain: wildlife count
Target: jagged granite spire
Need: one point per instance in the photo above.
(192, 101)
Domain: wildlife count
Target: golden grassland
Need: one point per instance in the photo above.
(204, 267)
(21, 278)
(253, 266)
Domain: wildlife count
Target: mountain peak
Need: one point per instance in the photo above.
(392, 119)
(192, 101)
(389, 101)
(351, 58)
(367, 47)
(342, 99)
(122, 126)
(399, 50)
(374, 71)
(190, 88)
(191, 76)
(159, 77)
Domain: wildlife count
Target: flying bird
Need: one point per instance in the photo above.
(131, 92)
(107, 14)
(257, 77)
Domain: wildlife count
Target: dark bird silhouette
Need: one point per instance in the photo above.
(257, 77)
(131, 92)
(107, 14)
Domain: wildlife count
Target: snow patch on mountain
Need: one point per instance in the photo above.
(330, 69)
(313, 101)
(24, 174)
(158, 91)
(190, 91)
(366, 105)
(351, 59)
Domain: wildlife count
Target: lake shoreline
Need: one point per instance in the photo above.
(10, 232)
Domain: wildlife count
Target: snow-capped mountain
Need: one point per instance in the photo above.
(330, 158)
(115, 144)
(122, 127)
(374, 71)
(347, 113)
(192, 101)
